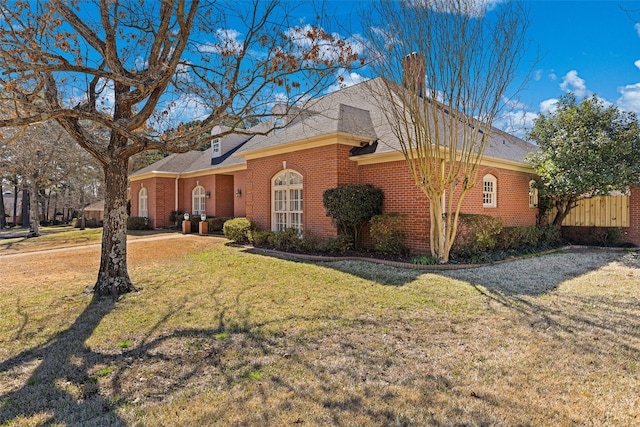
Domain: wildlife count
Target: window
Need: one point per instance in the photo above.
(286, 202)
(197, 196)
(489, 191)
(143, 203)
(215, 146)
(533, 194)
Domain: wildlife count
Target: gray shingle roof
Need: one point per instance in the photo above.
(353, 111)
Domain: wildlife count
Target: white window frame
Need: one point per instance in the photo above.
(287, 200)
(143, 203)
(533, 194)
(215, 146)
(489, 191)
(198, 201)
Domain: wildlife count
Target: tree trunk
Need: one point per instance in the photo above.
(34, 212)
(3, 220)
(113, 277)
(25, 208)
(15, 205)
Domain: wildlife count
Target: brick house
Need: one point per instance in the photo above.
(278, 180)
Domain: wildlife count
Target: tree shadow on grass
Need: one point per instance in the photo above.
(59, 366)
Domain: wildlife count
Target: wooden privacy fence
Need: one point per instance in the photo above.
(604, 211)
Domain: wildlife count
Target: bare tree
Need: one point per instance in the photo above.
(136, 68)
(42, 155)
(455, 60)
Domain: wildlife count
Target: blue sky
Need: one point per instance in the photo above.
(587, 47)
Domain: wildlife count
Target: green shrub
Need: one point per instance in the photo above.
(261, 238)
(238, 230)
(175, 216)
(424, 260)
(216, 224)
(477, 234)
(533, 237)
(138, 223)
(88, 223)
(337, 246)
(286, 240)
(351, 206)
(386, 234)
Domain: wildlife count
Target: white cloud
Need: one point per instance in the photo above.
(513, 104)
(637, 27)
(475, 8)
(630, 99)
(537, 76)
(228, 42)
(637, 63)
(549, 106)
(516, 122)
(553, 76)
(345, 79)
(572, 83)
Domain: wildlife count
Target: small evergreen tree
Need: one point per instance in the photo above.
(351, 206)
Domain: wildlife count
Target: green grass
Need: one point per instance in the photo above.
(220, 336)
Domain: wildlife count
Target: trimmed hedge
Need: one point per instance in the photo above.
(477, 235)
(138, 223)
(238, 230)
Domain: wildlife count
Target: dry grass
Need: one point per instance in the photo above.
(225, 337)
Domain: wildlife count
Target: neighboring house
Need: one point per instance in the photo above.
(95, 211)
(278, 180)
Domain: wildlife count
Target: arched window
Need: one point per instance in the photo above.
(286, 201)
(489, 191)
(143, 203)
(197, 200)
(533, 194)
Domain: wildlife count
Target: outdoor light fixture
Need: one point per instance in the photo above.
(203, 216)
(208, 195)
(238, 192)
(186, 216)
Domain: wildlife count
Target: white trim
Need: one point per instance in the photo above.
(143, 203)
(198, 200)
(489, 191)
(287, 198)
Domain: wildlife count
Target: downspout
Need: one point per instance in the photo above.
(176, 190)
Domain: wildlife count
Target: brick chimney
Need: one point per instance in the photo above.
(413, 74)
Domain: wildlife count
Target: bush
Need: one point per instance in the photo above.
(238, 230)
(337, 246)
(88, 223)
(477, 234)
(261, 238)
(600, 236)
(424, 260)
(138, 223)
(175, 216)
(287, 240)
(386, 234)
(350, 206)
(531, 237)
(216, 224)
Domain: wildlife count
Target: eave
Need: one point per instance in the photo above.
(393, 156)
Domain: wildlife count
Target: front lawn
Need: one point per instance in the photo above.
(220, 336)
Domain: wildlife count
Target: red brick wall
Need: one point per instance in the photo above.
(161, 199)
(321, 168)
(186, 186)
(633, 232)
(239, 182)
(223, 201)
(403, 196)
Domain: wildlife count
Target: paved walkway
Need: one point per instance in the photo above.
(13, 233)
